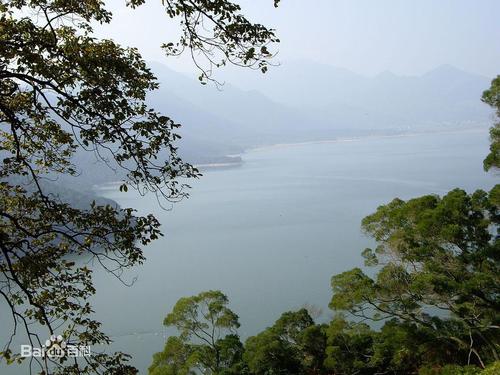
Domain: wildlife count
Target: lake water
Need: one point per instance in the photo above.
(271, 233)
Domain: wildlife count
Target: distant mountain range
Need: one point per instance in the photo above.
(304, 101)
(300, 102)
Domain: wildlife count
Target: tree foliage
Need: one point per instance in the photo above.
(207, 340)
(492, 98)
(439, 268)
(64, 91)
(295, 344)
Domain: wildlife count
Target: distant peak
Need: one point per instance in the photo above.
(445, 69)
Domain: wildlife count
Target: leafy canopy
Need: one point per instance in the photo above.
(438, 267)
(492, 98)
(64, 92)
(293, 345)
(207, 339)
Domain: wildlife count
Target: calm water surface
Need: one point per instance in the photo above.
(270, 234)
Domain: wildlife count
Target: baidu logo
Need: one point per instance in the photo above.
(54, 348)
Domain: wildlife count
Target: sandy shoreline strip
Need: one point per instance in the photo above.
(364, 137)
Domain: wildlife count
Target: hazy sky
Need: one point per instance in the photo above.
(366, 36)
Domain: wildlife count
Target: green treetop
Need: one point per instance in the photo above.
(492, 98)
(207, 340)
(438, 267)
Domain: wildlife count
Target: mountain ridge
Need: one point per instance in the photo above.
(316, 100)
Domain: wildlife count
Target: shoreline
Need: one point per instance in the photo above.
(235, 164)
(229, 164)
(364, 137)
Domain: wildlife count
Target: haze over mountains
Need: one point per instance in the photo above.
(304, 101)
(301, 102)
